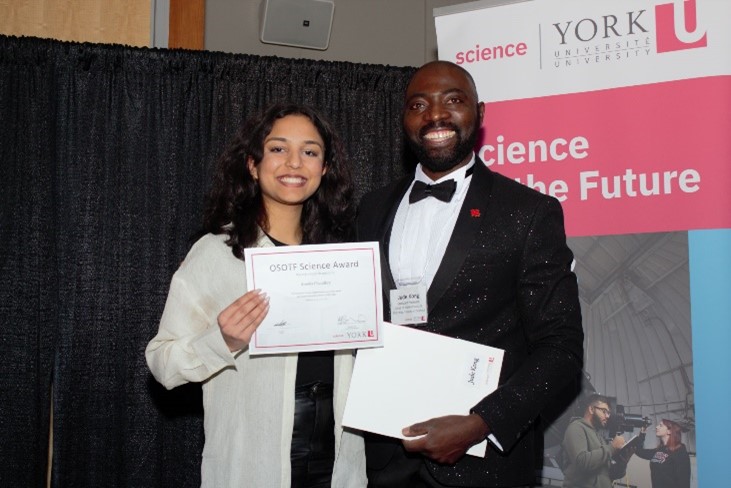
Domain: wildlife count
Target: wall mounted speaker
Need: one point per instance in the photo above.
(299, 23)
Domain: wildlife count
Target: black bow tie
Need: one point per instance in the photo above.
(442, 191)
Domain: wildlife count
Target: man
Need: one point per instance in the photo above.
(494, 266)
(586, 455)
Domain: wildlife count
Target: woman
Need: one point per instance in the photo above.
(669, 461)
(270, 421)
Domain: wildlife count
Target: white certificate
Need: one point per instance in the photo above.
(321, 297)
(417, 376)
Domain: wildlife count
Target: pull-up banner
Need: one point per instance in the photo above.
(619, 109)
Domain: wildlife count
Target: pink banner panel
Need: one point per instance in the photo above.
(625, 160)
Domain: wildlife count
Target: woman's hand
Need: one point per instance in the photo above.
(239, 321)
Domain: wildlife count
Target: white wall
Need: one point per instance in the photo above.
(389, 32)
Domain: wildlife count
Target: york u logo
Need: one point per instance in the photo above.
(677, 26)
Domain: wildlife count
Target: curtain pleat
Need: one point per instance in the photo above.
(29, 282)
(106, 153)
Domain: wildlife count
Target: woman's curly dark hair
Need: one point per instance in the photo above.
(235, 207)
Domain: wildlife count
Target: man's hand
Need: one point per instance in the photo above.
(618, 442)
(446, 439)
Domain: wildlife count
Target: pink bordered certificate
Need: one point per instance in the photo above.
(322, 297)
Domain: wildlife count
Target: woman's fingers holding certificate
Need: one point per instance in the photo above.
(239, 321)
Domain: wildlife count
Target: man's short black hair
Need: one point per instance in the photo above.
(595, 398)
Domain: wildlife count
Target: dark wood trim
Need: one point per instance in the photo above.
(187, 24)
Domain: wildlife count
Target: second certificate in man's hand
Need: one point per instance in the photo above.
(322, 297)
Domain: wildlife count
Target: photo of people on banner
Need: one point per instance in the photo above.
(633, 423)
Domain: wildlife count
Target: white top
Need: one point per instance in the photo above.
(248, 402)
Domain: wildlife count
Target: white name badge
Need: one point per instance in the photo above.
(408, 305)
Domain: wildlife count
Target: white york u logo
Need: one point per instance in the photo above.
(685, 17)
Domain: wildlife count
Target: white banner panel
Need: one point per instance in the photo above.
(579, 45)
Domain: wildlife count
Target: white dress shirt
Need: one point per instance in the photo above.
(421, 230)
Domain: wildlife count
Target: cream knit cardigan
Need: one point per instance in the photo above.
(248, 401)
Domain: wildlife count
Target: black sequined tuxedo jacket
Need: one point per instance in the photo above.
(505, 281)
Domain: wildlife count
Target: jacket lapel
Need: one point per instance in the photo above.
(473, 210)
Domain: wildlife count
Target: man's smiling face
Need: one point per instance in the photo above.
(442, 117)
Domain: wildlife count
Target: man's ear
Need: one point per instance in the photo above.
(481, 111)
(252, 168)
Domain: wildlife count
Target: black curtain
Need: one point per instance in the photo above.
(106, 153)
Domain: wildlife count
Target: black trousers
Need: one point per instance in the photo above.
(313, 438)
(405, 470)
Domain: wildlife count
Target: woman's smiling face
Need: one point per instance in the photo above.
(292, 164)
